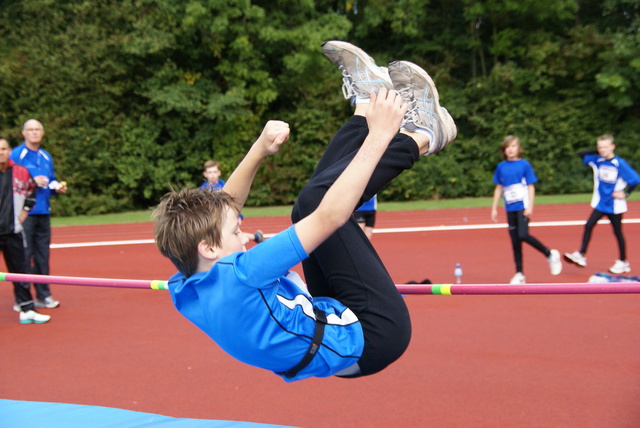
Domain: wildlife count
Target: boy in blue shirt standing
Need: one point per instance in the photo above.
(611, 175)
(514, 179)
(366, 216)
(212, 174)
(213, 182)
(351, 321)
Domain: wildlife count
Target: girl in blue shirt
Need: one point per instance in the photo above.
(514, 179)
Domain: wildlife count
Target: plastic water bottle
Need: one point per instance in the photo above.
(458, 273)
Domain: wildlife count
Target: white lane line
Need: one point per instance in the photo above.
(102, 244)
(492, 226)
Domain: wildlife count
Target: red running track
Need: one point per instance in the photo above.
(481, 361)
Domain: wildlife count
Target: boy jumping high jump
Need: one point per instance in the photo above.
(352, 321)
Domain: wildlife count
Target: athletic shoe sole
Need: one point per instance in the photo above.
(33, 322)
(619, 272)
(570, 259)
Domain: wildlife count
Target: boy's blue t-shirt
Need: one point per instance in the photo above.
(609, 176)
(253, 312)
(37, 162)
(515, 176)
(213, 186)
(370, 205)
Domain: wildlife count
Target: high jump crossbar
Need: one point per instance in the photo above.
(435, 289)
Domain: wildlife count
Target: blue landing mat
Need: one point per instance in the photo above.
(29, 414)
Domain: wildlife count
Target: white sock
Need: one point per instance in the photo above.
(424, 131)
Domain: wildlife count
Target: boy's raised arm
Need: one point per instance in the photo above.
(274, 134)
(384, 117)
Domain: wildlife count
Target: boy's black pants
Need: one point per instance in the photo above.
(346, 266)
(616, 224)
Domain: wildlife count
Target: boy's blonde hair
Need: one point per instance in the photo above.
(505, 143)
(211, 163)
(186, 217)
(606, 137)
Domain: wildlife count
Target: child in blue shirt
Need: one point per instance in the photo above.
(212, 174)
(213, 182)
(365, 215)
(350, 321)
(514, 179)
(611, 175)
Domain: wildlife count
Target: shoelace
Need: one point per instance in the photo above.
(407, 97)
(347, 84)
(412, 115)
(347, 88)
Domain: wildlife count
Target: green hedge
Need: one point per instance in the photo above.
(136, 94)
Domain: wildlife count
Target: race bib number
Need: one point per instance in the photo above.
(514, 193)
(607, 174)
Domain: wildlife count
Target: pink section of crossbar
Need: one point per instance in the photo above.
(453, 289)
(571, 288)
(76, 280)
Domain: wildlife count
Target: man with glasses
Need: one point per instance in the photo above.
(37, 226)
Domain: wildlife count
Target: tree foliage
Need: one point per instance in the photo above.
(136, 94)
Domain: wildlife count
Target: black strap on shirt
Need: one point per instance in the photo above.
(318, 334)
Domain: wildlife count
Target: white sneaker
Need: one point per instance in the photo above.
(360, 73)
(576, 258)
(620, 267)
(555, 264)
(32, 317)
(418, 90)
(16, 308)
(517, 279)
(48, 303)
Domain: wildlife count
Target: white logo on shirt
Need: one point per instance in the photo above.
(346, 318)
(607, 173)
